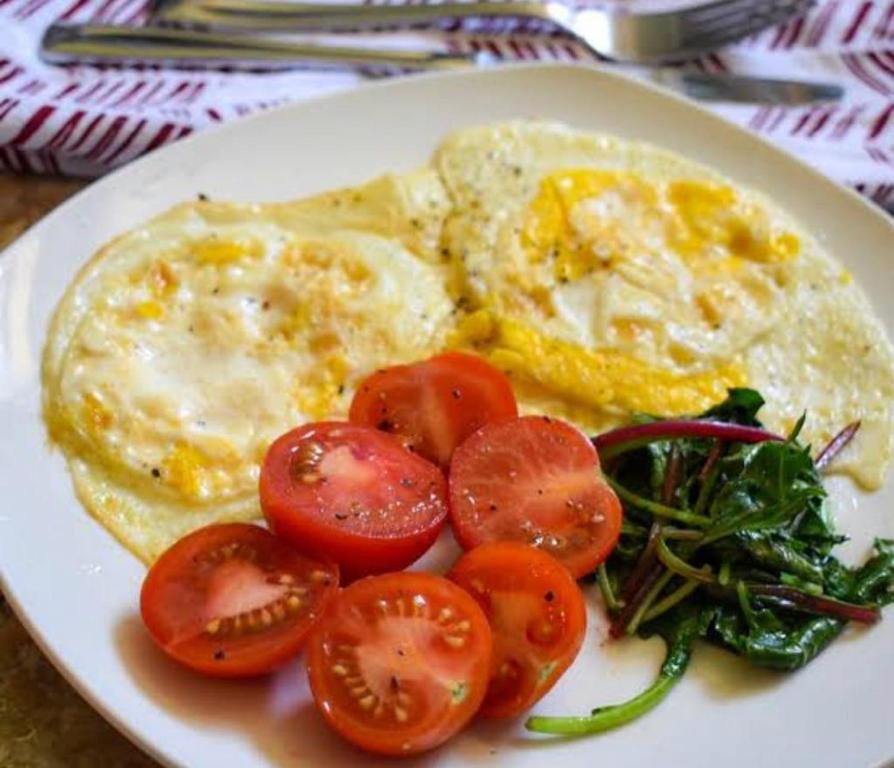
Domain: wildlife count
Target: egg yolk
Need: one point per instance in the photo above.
(615, 197)
(219, 251)
(183, 468)
(586, 220)
(706, 216)
(603, 379)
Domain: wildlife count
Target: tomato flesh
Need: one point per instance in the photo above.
(232, 600)
(401, 662)
(536, 480)
(538, 618)
(433, 405)
(354, 495)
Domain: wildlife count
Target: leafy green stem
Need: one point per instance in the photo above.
(679, 651)
(656, 509)
(605, 587)
(817, 604)
(681, 567)
(651, 596)
(708, 477)
(675, 597)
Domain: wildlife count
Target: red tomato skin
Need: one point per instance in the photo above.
(469, 536)
(380, 740)
(450, 396)
(521, 570)
(357, 555)
(220, 658)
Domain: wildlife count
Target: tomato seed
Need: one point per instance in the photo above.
(367, 702)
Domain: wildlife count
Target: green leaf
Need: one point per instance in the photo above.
(768, 485)
(740, 407)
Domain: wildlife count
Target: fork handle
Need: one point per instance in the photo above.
(85, 43)
(291, 16)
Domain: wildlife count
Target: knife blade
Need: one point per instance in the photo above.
(720, 86)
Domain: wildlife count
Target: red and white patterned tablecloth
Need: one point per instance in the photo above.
(84, 121)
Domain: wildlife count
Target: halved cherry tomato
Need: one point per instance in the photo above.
(232, 600)
(401, 662)
(534, 480)
(354, 495)
(537, 616)
(436, 404)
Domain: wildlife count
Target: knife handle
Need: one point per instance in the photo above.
(330, 17)
(86, 43)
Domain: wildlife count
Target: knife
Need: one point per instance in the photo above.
(109, 44)
(113, 44)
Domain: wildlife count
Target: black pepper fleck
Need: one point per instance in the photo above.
(156, 472)
(456, 394)
(549, 596)
(203, 197)
(219, 655)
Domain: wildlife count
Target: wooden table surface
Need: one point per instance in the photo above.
(44, 723)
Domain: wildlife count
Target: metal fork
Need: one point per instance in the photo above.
(633, 37)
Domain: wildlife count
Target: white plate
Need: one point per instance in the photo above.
(76, 588)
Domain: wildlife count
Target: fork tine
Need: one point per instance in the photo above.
(737, 28)
(702, 13)
(756, 15)
(721, 10)
(751, 19)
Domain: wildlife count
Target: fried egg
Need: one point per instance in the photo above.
(612, 278)
(186, 346)
(608, 278)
